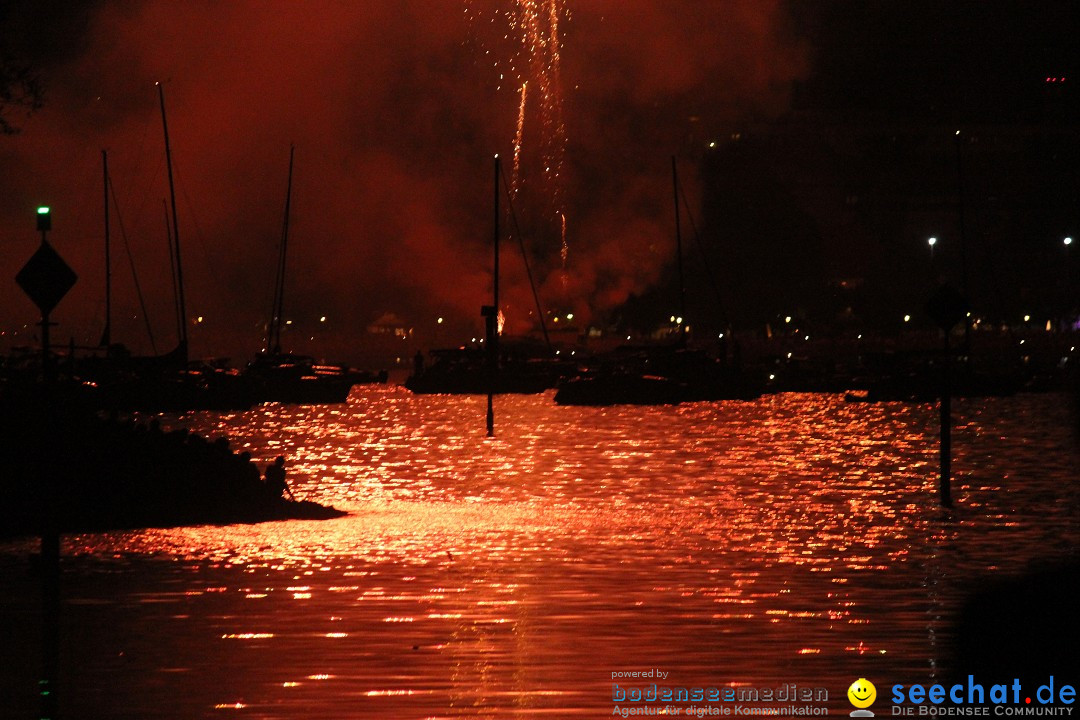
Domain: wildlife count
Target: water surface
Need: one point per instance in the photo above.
(796, 538)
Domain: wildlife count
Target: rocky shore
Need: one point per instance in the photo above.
(68, 470)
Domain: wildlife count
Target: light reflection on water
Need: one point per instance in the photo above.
(792, 539)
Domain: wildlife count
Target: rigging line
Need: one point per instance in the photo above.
(140, 157)
(525, 257)
(273, 344)
(178, 316)
(148, 188)
(131, 264)
(705, 261)
(200, 238)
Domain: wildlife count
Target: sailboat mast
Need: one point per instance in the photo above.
(273, 340)
(172, 263)
(678, 253)
(182, 329)
(106, 336)
(492, 319)
(495, 298)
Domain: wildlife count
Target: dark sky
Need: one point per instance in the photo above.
(396, 110)
(975, 61)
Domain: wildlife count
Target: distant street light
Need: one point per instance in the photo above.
(1067, 241)
(932, 241)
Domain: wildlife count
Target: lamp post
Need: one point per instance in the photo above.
(932, 241)
(1068, 296)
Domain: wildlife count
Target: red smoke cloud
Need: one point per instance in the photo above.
(396, 109)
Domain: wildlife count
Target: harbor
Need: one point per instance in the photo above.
(538, 359)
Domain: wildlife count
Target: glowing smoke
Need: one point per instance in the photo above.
(395, 109)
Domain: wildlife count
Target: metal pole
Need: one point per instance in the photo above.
(46, 359)
(492, 321)
(50, 621)
(946, 427)
(106, 337)
(678, 254)
(963, 242)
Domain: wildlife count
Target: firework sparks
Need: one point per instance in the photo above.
(519, 138)
(564, 250)
(528, 58)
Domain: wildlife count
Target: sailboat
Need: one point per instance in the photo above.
(286, 377)
(166, 382)
(504, 366)
(664, 375)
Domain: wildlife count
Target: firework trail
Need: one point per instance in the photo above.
(565, 249)
(534, 68)
(540, 39)
(518, 139)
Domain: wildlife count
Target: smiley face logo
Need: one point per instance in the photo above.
(862, 693)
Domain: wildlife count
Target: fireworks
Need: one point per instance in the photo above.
(519, 138)
(564, 250)
(531, 64)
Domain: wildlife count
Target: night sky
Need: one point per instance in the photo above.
(396, 110)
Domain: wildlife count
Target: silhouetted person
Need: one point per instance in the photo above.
(275, 478)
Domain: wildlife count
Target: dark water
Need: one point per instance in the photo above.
(795, 539)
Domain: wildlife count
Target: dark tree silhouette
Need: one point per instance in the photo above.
(20, 91)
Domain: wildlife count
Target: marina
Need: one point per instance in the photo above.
(605, 359)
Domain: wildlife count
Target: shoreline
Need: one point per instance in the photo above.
(70, 470)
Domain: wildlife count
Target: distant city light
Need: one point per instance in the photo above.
(43, 210)
(678, 320)
(1027, 318)
(1067, 241)
(440, 321)
(322, 318)
(569, 316)
(932, 241)
(787, 319)
(907, 318)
